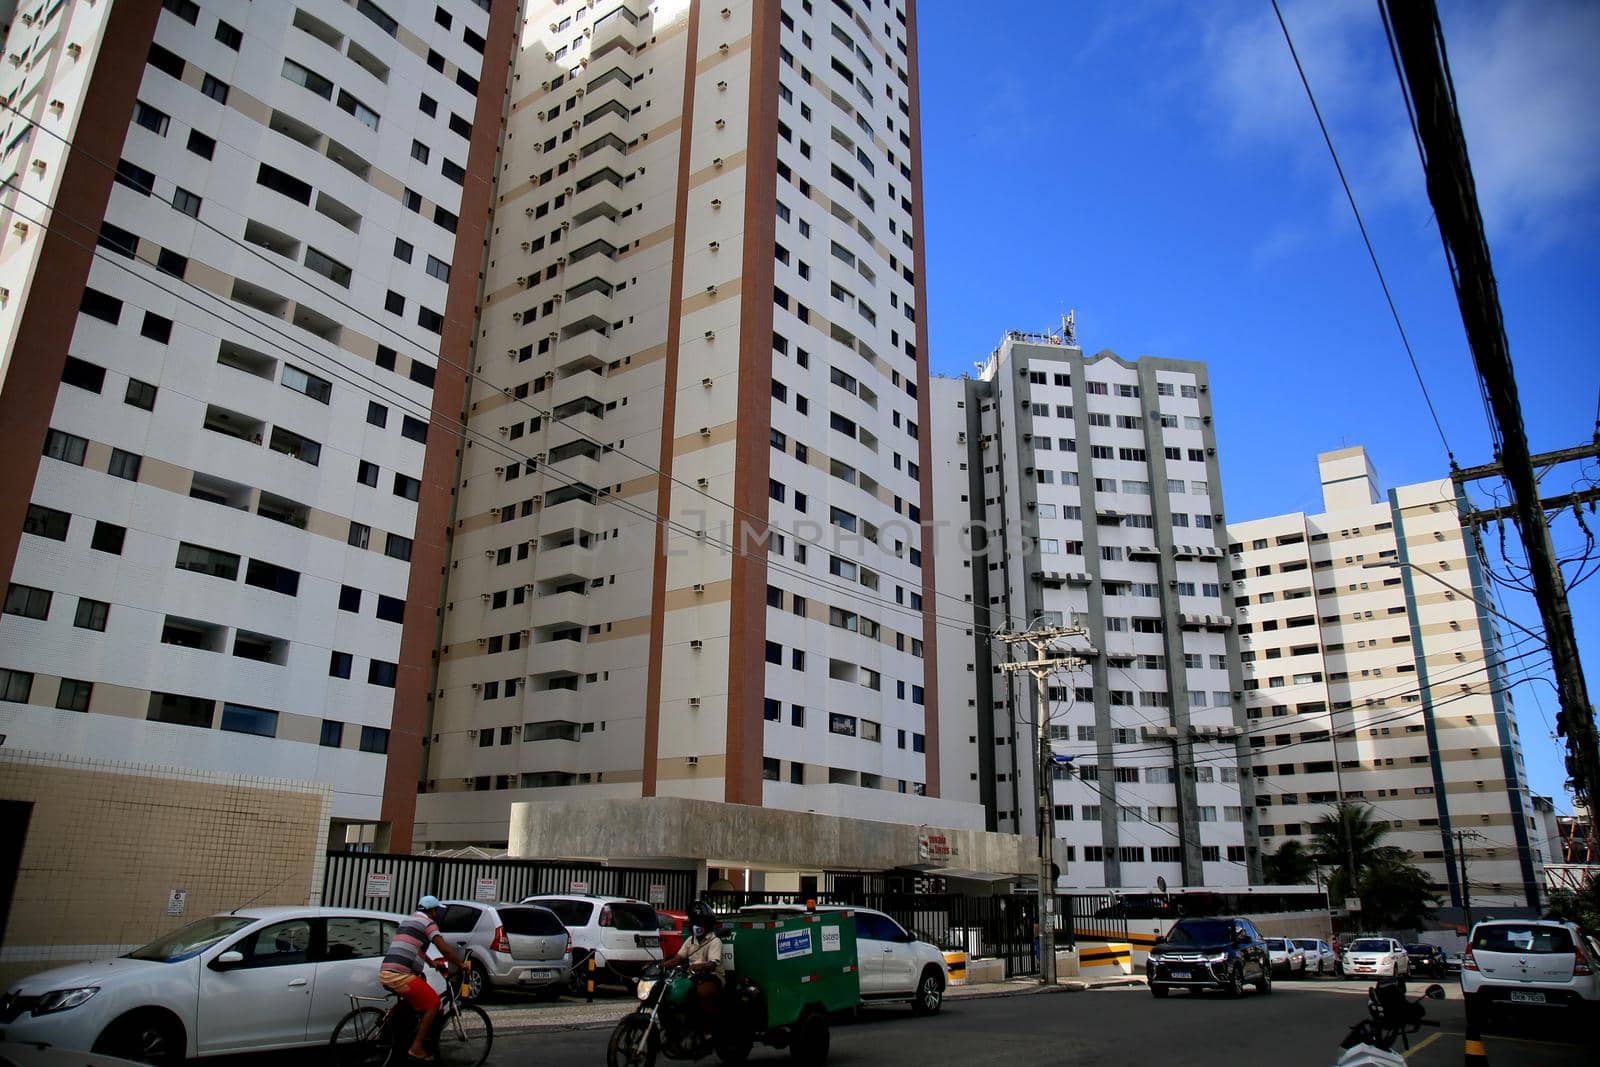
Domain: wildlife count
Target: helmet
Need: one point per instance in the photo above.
(429, 903)
(700, 914)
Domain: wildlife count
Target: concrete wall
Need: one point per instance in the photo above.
(623, 830)
(107, 842)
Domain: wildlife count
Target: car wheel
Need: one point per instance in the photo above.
(930, 993)
(144, 1037)
(1264, 987)
(1158, 991)
(809, 1047)
(477, 983)
(1235, 986)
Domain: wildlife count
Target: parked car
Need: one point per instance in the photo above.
(1210, 954)
(253, 979)
(895, 965)
(1426, 959)
(513, 946)
(1319, 955)
(1288, 958)
(1375, 956)
(1452, 961)
(672, 926)
(1529, 965)
(623, 936)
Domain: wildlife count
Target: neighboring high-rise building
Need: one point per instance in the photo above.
(1085, 491)
(687, 555)
(1372, 621)
(236, 315)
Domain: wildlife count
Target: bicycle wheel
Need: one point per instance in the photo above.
(360, 1039)
(466, 1037)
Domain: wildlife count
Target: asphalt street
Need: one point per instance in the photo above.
(1299, 1023)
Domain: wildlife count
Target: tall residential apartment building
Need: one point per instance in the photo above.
(1374, 671)
(236, 315)
(687, 560)
(1085, 491)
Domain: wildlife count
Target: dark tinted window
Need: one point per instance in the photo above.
(633, 917)
(570, 912)
(1528, 938)
(459, 919)
(352, 938)
(1200, 934)
(535, 921)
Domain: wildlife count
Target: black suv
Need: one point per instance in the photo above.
(1210, 954)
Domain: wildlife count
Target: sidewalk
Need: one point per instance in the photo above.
(516, 1016)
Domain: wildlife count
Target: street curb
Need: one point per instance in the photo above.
(999, 989)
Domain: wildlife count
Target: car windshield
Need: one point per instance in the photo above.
(1313, 945)
(1420, 949)
(1527, 938)
(1200, 934)
(1370, 945)
(1276, 944)
(196, 937)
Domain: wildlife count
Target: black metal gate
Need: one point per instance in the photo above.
(998, 927)
(1095, 916)
(390, 882)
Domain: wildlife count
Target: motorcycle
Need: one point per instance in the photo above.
(668, 1022)
(1390, 1017)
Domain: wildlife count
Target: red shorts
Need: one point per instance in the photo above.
(412, 989)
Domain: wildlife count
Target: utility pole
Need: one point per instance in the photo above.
(1419, 50)
(1047, 660)
(1466, 889)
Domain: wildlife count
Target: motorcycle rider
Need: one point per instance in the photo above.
(702, 952)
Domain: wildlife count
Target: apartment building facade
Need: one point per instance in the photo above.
(236, 317)
(688, 548)
(1374, 671)
(1085, 491)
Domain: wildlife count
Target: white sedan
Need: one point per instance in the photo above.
(1378, 956)
(1319, 955)
(1288, 958)
(250, 980)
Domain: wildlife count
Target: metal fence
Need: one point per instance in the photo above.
(1095, 916)
(395, 882)
(999, 927)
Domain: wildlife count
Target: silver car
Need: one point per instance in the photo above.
(513, 946)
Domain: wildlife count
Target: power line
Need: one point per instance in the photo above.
(1365, 237)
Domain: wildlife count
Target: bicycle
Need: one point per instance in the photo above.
(369, 1036)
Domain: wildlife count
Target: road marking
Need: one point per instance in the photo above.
(1420, 1045)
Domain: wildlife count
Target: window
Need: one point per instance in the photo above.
(186, 202)
(124, 465)
(83, 374)
(367, 473)
(339, 664)
(91, 614)
(397, 547)
(229, 35)
(69, 448)
(349, 598)
(414, 429)
(46, 522)
(243, 719)
(108, 537)
(215, 88)
(438, 268)
(406, 486)
(333, 737)
(375, 738)
(359, 535)
(15, 686)
(381, 672)
(140, 394)
(210, 561)
(270, 576)
(319, 389)
(150, 118)
(181, 710)
(295, 446)
(377, 414)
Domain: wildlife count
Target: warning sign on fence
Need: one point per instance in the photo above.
(488, 889)
(378, 885)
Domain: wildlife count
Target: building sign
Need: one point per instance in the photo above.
(794, 943)
(935, 848)
(1352, 903)
(378, 885)
(488, 889)
(177, 901)
(658, 895)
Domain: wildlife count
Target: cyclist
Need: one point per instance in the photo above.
(401, 970)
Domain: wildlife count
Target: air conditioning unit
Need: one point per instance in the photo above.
(716, 204)
(694, 702)
(722, 87)
(711, 335)
(696, 645)
(706, 382)
(475, 687)
(499, 472)
(699, 587)
(722, 124)
(527, 245)
(717, 162)
(692, 761)
(714, 245)
(723, 48)
(705, 431)
(38, 166)
(702, 482)
(485, 597)
(74, 50)
(1033, 505)
(488, 553)
(711, 290)
(528, 211)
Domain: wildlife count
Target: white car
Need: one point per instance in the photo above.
(1530, 964)
(623, 936)
(894, 964)
(1319, 955)
(1377, 956)
(1287, 956)
(251, 980)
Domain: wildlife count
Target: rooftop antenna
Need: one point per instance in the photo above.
(1069, 327)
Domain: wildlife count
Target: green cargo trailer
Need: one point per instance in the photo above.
(799, 960)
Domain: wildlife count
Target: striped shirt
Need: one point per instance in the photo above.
(410, 945)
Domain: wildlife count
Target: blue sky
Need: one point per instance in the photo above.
(1155, 165)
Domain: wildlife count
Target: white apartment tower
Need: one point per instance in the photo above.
(687, 559)
(239, 255)
(1371, 622)
(1085, 490)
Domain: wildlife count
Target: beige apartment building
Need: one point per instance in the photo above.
(687, 557)
(1374, 670)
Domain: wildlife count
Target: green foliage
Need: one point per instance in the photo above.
(1290, 865)
(1393, 892)
(1581, 906)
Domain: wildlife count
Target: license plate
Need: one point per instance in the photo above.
(528, 977)
(1527, 998)
(1181, 974)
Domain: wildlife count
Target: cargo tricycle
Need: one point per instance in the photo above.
(785, 975)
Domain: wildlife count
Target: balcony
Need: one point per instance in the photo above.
(555, 657)
(567, 562)
(617, 28)
(553, 704)
(571, 608)
(597, 197)
(597, 226)
(590, 309)
(573, 514)
(233, 424)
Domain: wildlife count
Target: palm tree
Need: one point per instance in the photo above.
(1351, 841)
(1292, 864)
